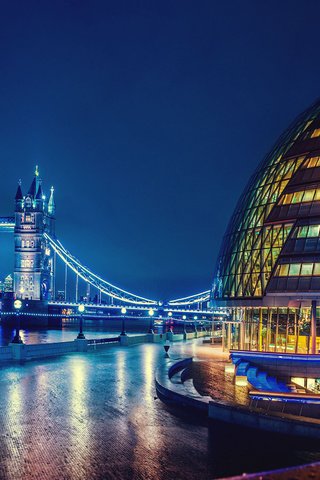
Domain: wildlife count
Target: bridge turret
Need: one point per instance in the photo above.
(33, 271)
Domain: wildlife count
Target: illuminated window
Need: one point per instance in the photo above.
(313, 231)
(294, 269)
(297, 197)
(302, 196)
(287, 198)
(315, 133)
(306, 269)
(298, 269)
(312, 162)
(302, 232)
(308, 195)
(284, 270)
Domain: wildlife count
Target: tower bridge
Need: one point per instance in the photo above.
(37, 250)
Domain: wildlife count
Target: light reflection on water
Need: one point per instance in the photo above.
(69, 331)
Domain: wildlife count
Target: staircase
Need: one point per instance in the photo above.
(258, 379)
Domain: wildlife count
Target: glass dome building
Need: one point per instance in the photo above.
(268, 269)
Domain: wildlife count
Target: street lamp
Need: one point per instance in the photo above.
(170, 327)
(151, 313)
(123, 313)
(17, 305)
(195, 318)
(184, 323)
(81, 309)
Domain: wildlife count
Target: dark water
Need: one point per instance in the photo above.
(101, 328)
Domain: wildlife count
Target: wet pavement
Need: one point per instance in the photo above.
(96, 416)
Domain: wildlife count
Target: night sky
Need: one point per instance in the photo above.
(148, 118)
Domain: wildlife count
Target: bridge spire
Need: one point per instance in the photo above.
(19, 195)
(51, 203)
(35, 183)
(39, 192)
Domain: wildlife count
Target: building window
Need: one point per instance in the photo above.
(301, 196)
(312, 162)
(306, 269)
(298, 270)
(294, 269)
(308, 231)
(315, 133)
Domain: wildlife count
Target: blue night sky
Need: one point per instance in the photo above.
(148, 118)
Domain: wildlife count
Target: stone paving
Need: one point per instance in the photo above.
(96, 416)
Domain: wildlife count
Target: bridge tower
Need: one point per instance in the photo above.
(33, 258)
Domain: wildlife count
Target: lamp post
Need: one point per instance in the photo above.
(151, 313)
(184, 324)
(81, 309)
(123, 313)
(195, 318)
(170, 326)
(17, 305)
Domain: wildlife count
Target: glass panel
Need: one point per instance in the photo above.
(306, 268)
(313, 231)
(316, 269)
(297, 197)
(284, 270)
(317, 195)
(287, 198)
(294, 269)
(302, 232)
(308, 195)
(315, 133)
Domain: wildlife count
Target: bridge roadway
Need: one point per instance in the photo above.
(164, 311)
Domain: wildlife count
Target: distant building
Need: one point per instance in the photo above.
(7, 284)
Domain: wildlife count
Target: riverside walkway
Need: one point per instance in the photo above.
(96, 416)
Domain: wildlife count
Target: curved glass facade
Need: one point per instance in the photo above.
(268, 269)
(284, 190)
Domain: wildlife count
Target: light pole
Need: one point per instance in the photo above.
(184, 324)
(170, 327)
(81, 309)
(195, 318)
(123, 313)
(151, 313)
(17, 305)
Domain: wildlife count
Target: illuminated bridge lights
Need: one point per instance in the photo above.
(7, 224)
(111, 290)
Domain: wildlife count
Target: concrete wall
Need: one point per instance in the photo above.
(21, 351)
(35, 351)
(175, 393)
(272, 423)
